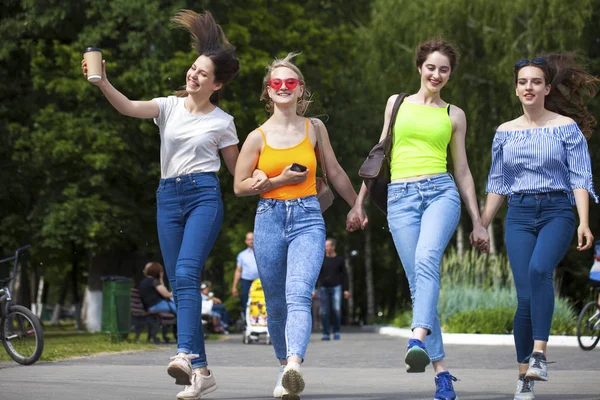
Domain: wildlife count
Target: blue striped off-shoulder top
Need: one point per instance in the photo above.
(541, 160)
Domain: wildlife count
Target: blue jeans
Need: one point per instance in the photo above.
(166, 306)
(289, 246)
(423, 216)
(539, 230)
(331, 299)
(189, 214)
(246, 283)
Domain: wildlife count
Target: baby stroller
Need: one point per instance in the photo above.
(256, 315)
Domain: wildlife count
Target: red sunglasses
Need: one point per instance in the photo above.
(290, 83)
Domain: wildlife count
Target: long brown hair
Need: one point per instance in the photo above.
(570, 87)
(208, 39)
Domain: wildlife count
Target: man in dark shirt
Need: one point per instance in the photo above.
(332, 279)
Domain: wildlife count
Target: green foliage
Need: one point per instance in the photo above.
(475, 269)
(490, 320)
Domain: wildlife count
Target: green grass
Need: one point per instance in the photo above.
(65, 342)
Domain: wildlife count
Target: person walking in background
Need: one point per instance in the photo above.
(153, 292)
(540, 161)
(332, 280)
(289, 231)
(424, 202)
(193, 130)
(246, 272)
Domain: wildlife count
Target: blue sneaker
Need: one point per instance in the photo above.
(416, 357)
(443, 386)
(325, 337)
(336, 336)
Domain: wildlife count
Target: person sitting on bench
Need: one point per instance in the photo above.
(155, 296)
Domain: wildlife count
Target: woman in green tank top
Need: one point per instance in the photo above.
(424, 201)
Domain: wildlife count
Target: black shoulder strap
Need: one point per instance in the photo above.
(395, 109)
(390, 133)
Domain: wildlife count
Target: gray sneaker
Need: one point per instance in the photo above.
(200, 386)
(524, 389)
(538, 368)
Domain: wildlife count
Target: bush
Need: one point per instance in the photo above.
(491, 320)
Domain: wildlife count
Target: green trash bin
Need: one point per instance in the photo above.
(116, 314)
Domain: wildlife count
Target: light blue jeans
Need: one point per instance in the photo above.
(289, 246)
(423, 216)
(164, 306)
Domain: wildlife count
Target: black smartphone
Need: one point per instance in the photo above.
(298, 167)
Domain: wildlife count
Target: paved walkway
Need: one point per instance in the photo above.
(360, 366)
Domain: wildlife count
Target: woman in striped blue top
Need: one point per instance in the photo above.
(540, 161)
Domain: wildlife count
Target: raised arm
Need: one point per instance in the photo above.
(131, 108)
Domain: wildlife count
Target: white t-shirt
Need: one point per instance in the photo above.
(191, 143)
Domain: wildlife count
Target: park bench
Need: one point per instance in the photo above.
(141, 318)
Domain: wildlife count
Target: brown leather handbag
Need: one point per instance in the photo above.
(375, 170)
(324, 193)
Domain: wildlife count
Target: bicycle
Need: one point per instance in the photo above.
(20, 329)
(588, 325)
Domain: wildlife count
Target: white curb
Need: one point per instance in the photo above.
(479, 339)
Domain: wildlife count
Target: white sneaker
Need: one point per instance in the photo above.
(181, 368)
(200, 386)
(292, 381)
(279, 390)
(524, 389)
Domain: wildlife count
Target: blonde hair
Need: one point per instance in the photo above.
(303, 101)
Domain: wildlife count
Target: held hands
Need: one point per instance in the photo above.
(261, 182)
(356, 218)
(583, 231)
(480, 239)
(85, 73)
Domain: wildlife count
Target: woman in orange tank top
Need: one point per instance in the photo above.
(289, 232)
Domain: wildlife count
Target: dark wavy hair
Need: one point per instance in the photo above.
(570, 88)
(424, 49)
(208, 39)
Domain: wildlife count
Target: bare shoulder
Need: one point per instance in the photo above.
(560, 120)
(457, 112)
(318, 123)
(254, 139)
(509, 125)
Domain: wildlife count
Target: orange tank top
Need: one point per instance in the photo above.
(272, 161)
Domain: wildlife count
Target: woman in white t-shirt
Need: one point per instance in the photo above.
(189, 206)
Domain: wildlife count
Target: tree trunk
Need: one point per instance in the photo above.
(24, 293)
(75, 287)
(369, 278)
(350, 313)
(59, 304)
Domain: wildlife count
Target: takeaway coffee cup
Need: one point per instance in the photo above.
(93, 59)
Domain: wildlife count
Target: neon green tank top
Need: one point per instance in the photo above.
(421, 137)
